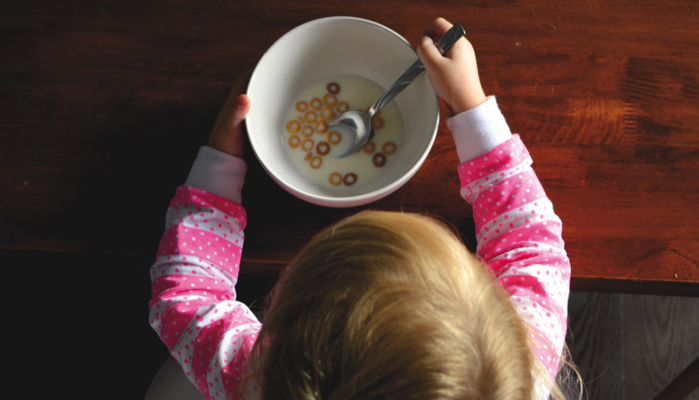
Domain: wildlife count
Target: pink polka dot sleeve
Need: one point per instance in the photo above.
(519, 237)
(194, 308)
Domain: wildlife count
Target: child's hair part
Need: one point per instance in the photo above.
(388, 305)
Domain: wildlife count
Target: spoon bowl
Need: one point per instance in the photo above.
(357, 123)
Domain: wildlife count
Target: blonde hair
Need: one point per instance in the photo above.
(386, 305)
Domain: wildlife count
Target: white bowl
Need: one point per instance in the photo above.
(323, 48)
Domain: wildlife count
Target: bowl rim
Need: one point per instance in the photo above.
(346, 201)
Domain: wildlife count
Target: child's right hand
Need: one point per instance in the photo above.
(455, 77)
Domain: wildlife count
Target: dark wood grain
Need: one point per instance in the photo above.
(595, 341)
(632, 346)
(664, 331)
(104, 105)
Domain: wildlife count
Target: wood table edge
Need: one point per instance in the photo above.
(272, 268)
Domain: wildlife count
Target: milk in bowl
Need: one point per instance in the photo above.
(313, 148)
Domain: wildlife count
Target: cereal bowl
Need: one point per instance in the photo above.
(329, 47)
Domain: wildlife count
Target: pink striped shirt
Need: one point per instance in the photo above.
(519, 237)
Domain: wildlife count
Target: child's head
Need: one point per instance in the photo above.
(388, 305)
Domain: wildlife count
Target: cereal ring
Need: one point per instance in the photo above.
(389, 148)
(301, 106)
(294, 141)
(333, 138)
(329, 100)
(333, 88)
(293, 126)
(379, 159)
(311, 117)
(350, 179)
(307, 131)
(316, 162)
(309, 155)
(369, 147)
(377, 122)
(316, 104)
(307, 144)
(335, 179)
(321, 127)
(323, 148)
(326, 114)
(342, 106)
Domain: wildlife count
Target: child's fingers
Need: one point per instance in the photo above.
(441, 26)
(437, 27)
(237, 89)
(241, 107)
(227, 134)
(428, 53)
(229, 107)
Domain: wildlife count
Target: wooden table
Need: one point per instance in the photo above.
(104, 104)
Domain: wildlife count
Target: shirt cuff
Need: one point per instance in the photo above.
(479, 130)
(219, 173)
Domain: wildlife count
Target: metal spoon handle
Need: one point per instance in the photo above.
(443, 45)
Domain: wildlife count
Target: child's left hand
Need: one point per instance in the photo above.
(227, 134)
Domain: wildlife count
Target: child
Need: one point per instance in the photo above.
(382, 304)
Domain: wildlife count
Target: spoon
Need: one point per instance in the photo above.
(359, 123)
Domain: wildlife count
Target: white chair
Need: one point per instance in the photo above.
(170, 383)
